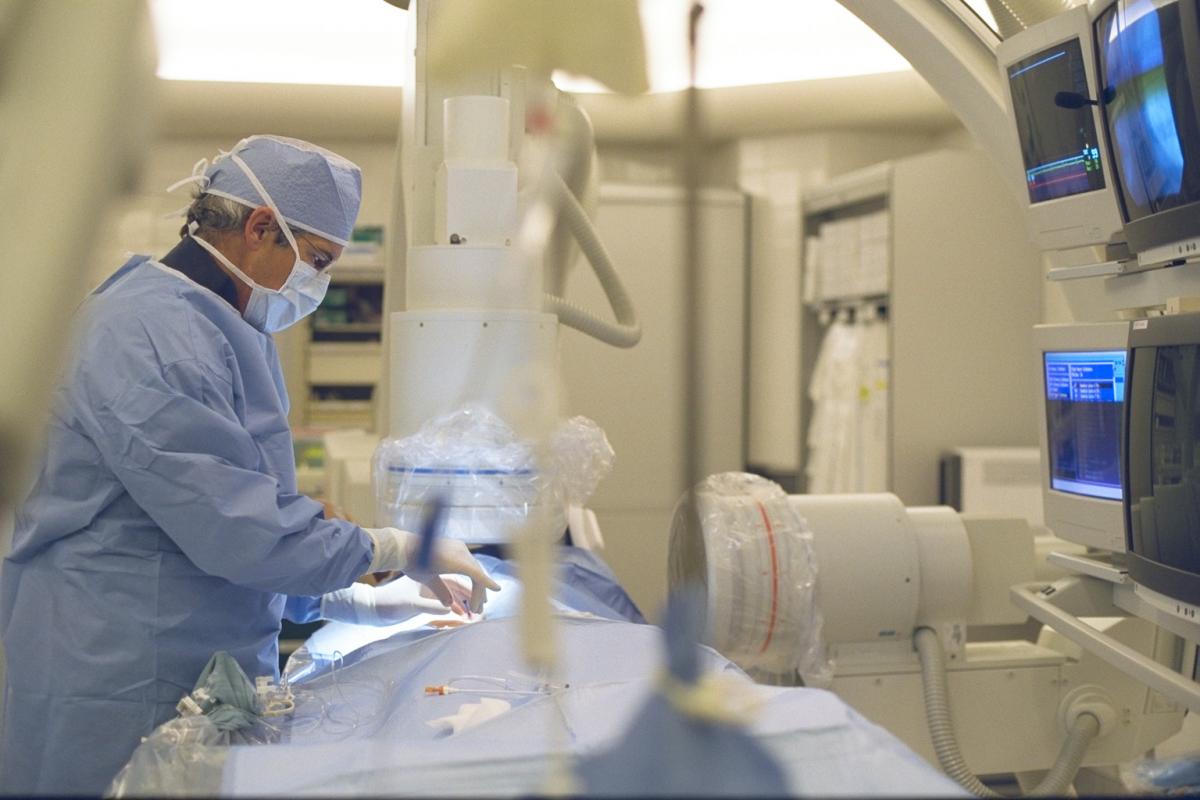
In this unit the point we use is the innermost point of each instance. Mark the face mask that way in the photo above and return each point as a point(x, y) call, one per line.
point(272, 310)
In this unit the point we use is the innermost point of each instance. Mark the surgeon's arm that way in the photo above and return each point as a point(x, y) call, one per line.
point(302, 610)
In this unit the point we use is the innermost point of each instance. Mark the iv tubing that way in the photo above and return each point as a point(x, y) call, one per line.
point(941, 729)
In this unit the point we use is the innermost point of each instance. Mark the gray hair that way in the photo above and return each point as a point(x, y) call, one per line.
point(219, 215)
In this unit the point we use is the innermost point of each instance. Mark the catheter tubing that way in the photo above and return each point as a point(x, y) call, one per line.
point(1084, 729)
point(627, 331)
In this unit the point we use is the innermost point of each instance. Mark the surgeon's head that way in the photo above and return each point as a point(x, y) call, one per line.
point(253, 239)
point(276, 213)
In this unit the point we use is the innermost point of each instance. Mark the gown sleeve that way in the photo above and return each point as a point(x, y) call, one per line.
point(301, 609)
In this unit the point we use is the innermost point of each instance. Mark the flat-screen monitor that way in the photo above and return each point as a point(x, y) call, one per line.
point(1059, 145)
point(1162, 456)
point(1082, 377)
point(1148, 56)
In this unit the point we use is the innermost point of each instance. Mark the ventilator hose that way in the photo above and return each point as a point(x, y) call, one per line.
point(1085, 728)
point(627, 331)
point(937, 714)
point(945, 743)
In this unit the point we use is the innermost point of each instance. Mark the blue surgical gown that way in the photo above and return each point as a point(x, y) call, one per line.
point(164, 525)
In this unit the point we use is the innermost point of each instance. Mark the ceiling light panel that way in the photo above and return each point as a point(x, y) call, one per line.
point(747, 42)
point(361, 42)
point(348, 42)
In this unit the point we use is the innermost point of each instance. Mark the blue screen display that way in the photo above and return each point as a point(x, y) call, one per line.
point(1084, 395)
point(1145, 61)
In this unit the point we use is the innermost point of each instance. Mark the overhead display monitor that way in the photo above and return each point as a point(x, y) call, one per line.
point(1084, 395)
point(1148, 52)
point(1082, 378)
point(1058, 141)
point(1058, 145)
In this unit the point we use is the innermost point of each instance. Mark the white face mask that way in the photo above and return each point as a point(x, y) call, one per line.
point(272, 310)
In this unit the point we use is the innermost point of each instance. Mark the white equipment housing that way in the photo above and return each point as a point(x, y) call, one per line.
point(993, 480)
point(885, 571)
point(869, 555)
point(886, 576)
point(476, 303)
point(474, 332)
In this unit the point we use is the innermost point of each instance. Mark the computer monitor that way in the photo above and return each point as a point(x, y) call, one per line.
point(1048, 68)
point(1162, 456)
point(1081, 375)
point(1148, 56)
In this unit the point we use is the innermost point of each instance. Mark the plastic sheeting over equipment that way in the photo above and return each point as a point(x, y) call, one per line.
point(848, 434)
point(222, 710)
point(490, 480)
point(740, 541)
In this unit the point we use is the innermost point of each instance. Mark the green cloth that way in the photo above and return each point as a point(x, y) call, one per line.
point(236, 702)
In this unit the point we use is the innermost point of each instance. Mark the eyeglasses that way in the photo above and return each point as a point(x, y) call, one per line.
point(322, 259)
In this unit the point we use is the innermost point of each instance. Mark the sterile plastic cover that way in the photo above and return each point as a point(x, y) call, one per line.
point(185, 756)
point(489, 479)
point(742, 543)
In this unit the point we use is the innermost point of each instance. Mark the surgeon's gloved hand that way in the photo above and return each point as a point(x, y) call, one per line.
point(394, 602)
point(397, 550)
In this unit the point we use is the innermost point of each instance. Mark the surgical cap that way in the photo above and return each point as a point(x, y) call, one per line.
point(314, 189)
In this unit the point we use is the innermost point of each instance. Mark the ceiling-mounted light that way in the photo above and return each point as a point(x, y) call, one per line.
point(361, 42)
point(350, 42)
point(750, 42)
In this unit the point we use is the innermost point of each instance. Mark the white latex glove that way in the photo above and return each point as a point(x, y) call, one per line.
point(389, 604)
point(395, 550)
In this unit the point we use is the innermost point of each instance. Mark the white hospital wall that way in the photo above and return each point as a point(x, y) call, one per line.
point(1054, 304)
point(1055, 307)
point(637, 395)
point(1081, 300)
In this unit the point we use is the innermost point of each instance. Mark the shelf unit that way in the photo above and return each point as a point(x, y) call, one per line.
point(962, 296)
point(333, 362)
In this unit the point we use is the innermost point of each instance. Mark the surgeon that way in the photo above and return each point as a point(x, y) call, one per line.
point(165, 523)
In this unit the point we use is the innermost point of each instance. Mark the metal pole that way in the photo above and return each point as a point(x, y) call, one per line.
point(692, 140)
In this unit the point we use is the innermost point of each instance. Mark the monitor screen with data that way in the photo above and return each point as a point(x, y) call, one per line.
point(1059, 146)
point(1084, 394)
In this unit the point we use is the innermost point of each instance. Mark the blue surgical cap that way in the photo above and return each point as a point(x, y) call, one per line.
point(314, 189)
